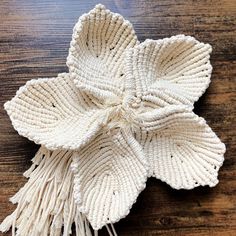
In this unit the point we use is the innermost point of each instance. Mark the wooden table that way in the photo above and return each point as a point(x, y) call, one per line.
point(34, 42)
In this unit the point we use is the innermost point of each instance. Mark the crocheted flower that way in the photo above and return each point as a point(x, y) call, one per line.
point(125, 110)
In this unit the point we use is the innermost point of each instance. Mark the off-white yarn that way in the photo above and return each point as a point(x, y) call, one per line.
point(109, 175)
point(173, 70)
point(96, 53)
point(54, 113)
point(125, 112)
point(181, 147)
point(46, 203)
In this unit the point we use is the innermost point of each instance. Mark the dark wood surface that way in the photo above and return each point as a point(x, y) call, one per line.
point(34, 41)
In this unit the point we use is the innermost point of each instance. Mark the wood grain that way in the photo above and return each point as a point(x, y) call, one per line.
point(34, 42)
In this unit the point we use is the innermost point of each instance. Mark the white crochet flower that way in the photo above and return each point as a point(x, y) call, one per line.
point(128, 117)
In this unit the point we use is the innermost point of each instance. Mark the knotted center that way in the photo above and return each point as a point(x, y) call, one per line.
point(121, 114)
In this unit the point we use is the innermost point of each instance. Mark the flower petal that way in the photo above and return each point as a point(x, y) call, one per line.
point(97, 49)
point(54, 113)
point(174, 70)
point(182, 149)
point(110, 173)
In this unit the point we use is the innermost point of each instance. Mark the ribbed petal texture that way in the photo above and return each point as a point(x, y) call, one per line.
point(181, 148)
point(173, 70)
point(110, 173)
point(53, 112)
point(96, 55)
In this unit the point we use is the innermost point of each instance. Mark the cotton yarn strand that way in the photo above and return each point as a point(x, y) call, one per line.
point(46, 203)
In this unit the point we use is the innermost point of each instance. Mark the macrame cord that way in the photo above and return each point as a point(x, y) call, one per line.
point(123, 113)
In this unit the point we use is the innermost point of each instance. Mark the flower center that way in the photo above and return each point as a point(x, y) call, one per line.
point(121, 114)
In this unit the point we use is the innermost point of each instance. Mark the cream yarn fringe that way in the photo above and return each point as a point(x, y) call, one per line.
point(46, 203)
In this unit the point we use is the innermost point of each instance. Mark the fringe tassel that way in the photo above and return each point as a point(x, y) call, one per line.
point(45, 204)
